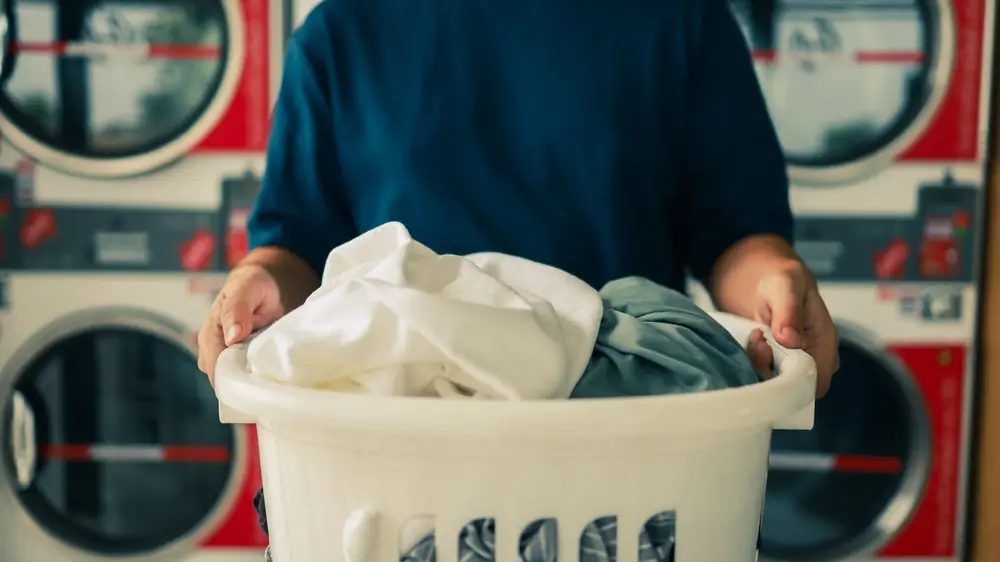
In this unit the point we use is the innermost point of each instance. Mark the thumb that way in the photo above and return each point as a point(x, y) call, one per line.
point(784, 300)
point(237, 316)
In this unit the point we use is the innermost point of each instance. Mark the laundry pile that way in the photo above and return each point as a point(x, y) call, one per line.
point(394, 318)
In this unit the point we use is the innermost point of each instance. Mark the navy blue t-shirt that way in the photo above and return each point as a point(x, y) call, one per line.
point(606, 138)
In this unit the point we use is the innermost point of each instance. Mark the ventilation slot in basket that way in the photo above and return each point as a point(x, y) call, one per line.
point(599, 540)
point(652, 542)
point(424, 538)
point(540, 541)
point(658, 537)
point(477, 541)
point(417, 540)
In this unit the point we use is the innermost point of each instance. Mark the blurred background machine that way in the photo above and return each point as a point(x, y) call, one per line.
point(134, 134)
point(855, 86)
point(111, 436)
point(122, 106)
point(881, 107)
point(883, 473)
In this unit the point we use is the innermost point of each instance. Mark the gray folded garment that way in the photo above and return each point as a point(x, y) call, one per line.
point(654, 340)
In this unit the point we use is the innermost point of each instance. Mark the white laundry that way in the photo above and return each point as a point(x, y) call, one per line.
point(392, 317)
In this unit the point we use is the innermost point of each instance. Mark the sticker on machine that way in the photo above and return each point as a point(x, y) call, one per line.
point(941, 304)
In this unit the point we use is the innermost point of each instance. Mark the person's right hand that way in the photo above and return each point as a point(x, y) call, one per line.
point(248, 301)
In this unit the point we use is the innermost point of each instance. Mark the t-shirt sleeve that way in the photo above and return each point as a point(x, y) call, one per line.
point(734, 182)
point(302, 206)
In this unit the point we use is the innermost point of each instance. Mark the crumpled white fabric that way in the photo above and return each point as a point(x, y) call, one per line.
point(392, 317)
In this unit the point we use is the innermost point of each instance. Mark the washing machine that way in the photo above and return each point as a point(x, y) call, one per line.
point(137, 106)
point(122, 117)
point(858, 85)
point(125, 117)
point(107, 89)
point(883, 473)
point(110, 442)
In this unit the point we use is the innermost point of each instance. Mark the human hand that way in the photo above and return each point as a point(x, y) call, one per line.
point(248, 301)
point(788, 301)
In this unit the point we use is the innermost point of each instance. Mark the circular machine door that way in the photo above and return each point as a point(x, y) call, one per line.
point(117, 88)
point(849, 485)
point(112, 441)
point(850, 84)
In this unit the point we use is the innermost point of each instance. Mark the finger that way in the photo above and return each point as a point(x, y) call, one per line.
point(236, 318)
point(202, 340)
point(784, 297)
point(213, 345)
point(830, 365)
point(825, 344)
point(761, 356)
point(210, 344)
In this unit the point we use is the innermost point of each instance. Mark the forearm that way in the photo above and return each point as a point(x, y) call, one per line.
point(736, 274)
point(295, 278)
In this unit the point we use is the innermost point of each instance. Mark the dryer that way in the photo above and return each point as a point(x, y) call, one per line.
point(123, 122)
point(109, 436)
point(136, 104)
point(883, 473)
point(855, 86)
point(119, 293)
point(121, 88)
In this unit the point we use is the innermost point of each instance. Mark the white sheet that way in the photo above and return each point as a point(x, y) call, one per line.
point(392, 317)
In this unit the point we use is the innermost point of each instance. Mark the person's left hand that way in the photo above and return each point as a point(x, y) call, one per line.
point(788, 301)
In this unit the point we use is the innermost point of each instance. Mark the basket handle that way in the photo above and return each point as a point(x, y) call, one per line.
point(793, 367)
point(230, 367)
point(794, 360)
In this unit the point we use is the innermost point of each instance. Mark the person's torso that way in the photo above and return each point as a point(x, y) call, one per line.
point(541, 128)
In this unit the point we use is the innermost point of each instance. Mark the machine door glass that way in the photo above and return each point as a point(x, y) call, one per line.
point(850, 483)
point(114, 443)
point(849, 83)
point(119, 87)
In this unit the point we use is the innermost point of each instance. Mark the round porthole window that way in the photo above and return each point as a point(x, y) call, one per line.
point(850, 85)
point(117, 88)
point(113, 443)
point(849, 485)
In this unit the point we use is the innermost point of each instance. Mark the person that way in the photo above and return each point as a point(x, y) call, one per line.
point(604, 138)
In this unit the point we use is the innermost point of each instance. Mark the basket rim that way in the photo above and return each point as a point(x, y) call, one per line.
point(767, 403)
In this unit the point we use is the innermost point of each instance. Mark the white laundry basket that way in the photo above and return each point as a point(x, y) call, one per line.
point(329, 457)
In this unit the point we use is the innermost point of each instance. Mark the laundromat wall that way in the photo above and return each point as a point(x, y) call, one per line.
point(134, 144)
